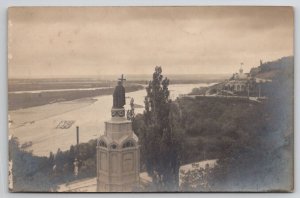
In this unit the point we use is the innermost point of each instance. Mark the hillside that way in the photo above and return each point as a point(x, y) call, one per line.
point(273, 69)
point(253, 141)
point(268, 71)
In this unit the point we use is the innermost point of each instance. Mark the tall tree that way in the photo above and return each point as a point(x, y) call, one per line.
point(160, 136)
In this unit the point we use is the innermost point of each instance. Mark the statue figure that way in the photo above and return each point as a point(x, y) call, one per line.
point(119, 94)
point(130, 113)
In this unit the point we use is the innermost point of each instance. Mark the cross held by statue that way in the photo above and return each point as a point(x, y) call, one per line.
point(122, 79)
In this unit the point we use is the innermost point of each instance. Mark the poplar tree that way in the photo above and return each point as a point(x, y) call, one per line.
point(160, 136)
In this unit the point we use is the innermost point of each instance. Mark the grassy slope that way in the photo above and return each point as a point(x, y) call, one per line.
point(254, 141)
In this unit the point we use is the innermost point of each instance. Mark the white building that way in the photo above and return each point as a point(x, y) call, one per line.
point(238, 82)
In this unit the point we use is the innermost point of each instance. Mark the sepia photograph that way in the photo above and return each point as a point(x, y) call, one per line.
point(151, 99)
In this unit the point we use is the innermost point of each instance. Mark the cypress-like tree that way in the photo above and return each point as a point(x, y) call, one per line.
point(160, 141)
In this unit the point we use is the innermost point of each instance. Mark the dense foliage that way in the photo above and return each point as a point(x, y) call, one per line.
point(30, 173)
point(284, 63)
point(160, 135)
point(252, 141)
point(34, 173)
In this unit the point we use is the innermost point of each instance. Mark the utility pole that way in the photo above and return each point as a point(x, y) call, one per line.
point(77, 135)
point(248, 89)
point(76, 163)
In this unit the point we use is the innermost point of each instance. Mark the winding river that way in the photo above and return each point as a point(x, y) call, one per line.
point(53, 126)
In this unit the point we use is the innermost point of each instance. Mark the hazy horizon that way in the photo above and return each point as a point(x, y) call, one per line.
point(81, 41)
point(128, 77)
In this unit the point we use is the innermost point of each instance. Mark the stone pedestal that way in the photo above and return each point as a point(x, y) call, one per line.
point(118, 155)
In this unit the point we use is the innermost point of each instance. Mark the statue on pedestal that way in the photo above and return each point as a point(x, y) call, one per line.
point(118, 149)
point(119, 96)
point(119, 99)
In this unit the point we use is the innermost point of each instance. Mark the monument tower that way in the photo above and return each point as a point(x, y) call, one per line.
point(118, 154)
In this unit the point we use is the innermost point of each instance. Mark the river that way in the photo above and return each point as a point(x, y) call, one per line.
point(53, 126)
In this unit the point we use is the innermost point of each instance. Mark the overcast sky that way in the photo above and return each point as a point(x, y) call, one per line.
point(51, 42)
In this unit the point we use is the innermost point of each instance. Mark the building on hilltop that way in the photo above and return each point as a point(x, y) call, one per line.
point(246, 83)
point(238, 82)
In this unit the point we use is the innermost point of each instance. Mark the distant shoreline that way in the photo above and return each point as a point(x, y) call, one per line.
point(130, 77)
point(25, 93)
point(27, 100)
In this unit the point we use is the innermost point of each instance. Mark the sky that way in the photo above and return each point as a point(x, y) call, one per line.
point(95, 41)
